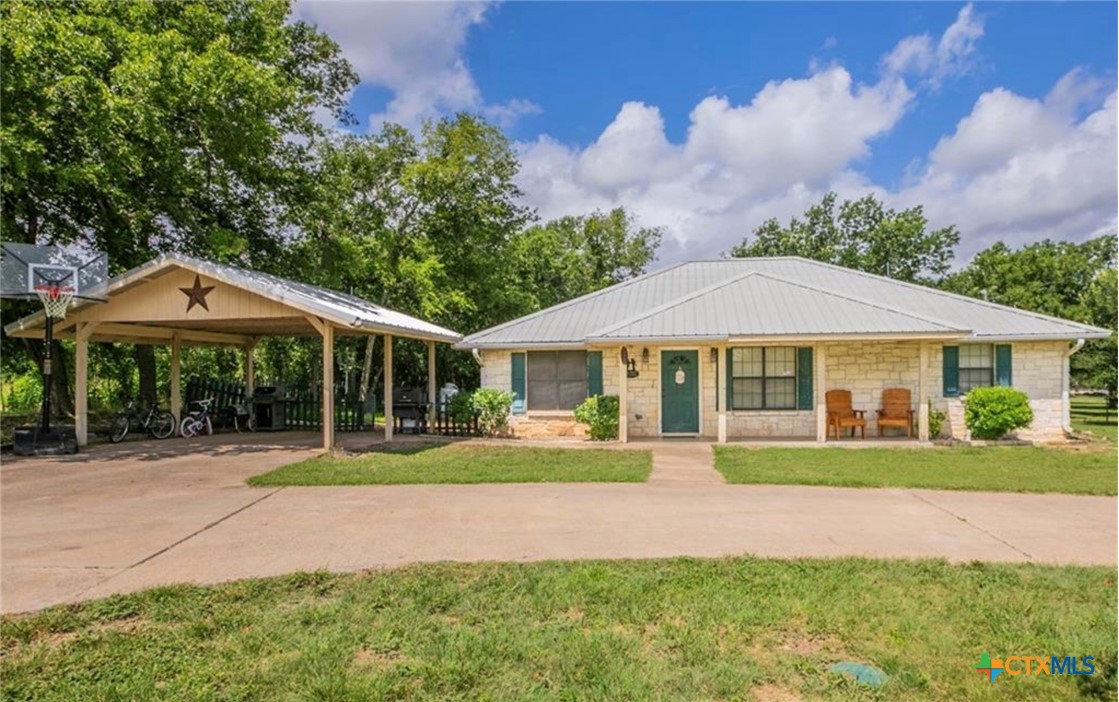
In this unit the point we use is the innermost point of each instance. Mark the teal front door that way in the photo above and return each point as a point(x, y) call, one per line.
point(680, 392)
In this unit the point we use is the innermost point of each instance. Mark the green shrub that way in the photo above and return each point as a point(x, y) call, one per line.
point(600, 413)
point(461, 407)
point(992, 412)
point(492, 406)
point(936, 422)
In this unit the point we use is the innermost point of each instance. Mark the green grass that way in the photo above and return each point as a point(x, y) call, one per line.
point(1001, 468)
point(408, 463)
point(1089, 413)
point(668, 630)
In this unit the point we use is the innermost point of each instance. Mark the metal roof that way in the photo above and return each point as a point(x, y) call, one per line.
point(344, 310)
point(770, 297)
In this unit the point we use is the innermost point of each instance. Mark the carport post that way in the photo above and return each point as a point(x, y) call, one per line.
point(388, 387)
point(81, 382)
point(327, 386)
point(431, 399)
point(821, 388)
point(176, 364)
point(250, 374)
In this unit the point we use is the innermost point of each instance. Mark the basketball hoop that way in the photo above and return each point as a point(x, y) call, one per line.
point(56, 299)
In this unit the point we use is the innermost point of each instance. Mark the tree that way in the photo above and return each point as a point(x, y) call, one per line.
point(573, 256)
point(1057, 278)
point(139, 127)
point(420, 223)
point(863, 235)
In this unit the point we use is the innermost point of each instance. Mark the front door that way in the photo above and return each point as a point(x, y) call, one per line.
point(680, 392)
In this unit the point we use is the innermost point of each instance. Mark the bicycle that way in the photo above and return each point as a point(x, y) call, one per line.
point(160, 424)
point(198, 420)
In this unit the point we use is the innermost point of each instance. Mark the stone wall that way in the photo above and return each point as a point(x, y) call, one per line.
point(865, 368)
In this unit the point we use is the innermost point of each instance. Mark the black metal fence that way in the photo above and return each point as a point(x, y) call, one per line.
point(445, 425)
point(300, 412)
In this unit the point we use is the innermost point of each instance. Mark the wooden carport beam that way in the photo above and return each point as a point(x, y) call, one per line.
point(81, 381)
point(143, 334)
point(328, 387)
point(388, 387)
point(176, 383)
point(431, 391)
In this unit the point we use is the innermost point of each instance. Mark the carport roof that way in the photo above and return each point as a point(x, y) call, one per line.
point(309, 307)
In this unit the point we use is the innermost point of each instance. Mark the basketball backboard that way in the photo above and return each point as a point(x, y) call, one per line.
point(26, 267)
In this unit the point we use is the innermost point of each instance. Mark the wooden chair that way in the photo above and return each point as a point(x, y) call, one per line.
point(841, 415)
point(897, 411)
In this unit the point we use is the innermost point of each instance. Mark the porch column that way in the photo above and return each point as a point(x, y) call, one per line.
point(431, 390)
point(176, 386)
point(81, 383)
point(327, 386)
point(623, 400)
point(388, 387)
point(821, 390)
point(721, 393)
point(923, 392)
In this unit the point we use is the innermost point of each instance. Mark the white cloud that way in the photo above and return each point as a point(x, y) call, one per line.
point(738, 165)
point(951, 56)
point(1019, 169)
point(415, 50)
point(1014, 169)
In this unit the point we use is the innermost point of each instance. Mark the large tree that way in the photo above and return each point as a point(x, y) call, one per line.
point(573, 256)
point(421, 223)
point(863, 234)
point(1059, 278)
point(138, 127)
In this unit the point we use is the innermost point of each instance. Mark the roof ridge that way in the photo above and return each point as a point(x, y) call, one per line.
point(688, 297)
point(567, 303)
point(946, 293)
point(863, 301)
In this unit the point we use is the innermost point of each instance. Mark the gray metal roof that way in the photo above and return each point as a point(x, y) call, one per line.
point(344, 310)
point(759, 297)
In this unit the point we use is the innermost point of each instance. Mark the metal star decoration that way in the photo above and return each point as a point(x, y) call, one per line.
point(197, 294)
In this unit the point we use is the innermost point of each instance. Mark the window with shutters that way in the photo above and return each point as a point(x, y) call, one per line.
point(977, 366)
point(764, 377)
point(557, 380)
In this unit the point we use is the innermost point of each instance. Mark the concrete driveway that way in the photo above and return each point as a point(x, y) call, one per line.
point(123, 518)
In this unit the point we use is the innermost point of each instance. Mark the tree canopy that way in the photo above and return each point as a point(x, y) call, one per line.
point(862, 235)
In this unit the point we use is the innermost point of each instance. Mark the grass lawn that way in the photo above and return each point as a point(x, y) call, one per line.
point(626, 630)
point(999, 468)
point(408, 463)
point(1089, 413)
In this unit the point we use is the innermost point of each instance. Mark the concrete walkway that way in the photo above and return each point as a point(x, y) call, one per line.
point(118, 519)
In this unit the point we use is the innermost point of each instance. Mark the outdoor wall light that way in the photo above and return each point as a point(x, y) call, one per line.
point(714, 355)
point(629, 363)
point(645, 355)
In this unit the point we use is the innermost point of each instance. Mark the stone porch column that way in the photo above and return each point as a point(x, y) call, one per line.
point(821, 388)
point(721, 392)
point(923, 392)
point(623, 401)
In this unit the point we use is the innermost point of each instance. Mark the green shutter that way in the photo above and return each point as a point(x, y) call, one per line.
point(518, 383)
point(1003, 366)
point(804, 378)
point(730, 379)
point(951, 371)
point(594, 373)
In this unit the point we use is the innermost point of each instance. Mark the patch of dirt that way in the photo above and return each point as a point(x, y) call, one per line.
point(774, 693)
point(804, 645)
point(377, 660)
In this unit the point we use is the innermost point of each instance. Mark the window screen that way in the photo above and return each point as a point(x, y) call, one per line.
point(557, 380)
point(977, 366)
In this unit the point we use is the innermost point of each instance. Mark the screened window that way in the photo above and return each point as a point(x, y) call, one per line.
point(557, 380)
point(764, 378)
point(977, 366)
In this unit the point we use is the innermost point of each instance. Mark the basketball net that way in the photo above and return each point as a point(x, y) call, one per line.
point(56, 299)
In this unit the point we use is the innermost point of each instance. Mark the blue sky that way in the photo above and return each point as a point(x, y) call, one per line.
point(707, 118)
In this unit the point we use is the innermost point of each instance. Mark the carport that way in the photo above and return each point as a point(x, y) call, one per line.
point(178, 300)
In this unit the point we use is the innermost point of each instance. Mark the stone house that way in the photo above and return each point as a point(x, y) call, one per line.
point(746, 348)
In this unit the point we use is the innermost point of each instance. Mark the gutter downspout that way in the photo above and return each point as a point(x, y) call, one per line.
point(1066, 413)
